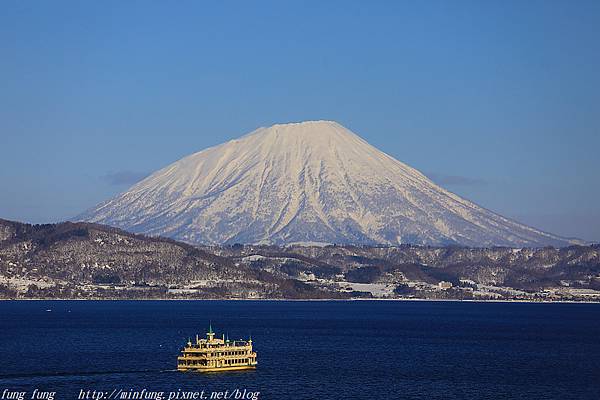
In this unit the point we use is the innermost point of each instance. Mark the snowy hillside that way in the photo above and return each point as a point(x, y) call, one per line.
point(308, 182)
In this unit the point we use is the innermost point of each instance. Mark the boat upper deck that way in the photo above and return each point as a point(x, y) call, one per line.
point(211, 343)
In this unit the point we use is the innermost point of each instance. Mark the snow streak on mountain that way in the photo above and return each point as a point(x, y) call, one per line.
point(308, 182)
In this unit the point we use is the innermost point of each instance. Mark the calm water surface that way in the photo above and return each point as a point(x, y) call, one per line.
point(309, 350)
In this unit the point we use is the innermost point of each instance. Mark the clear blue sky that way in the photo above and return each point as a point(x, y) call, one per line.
point(498, 101)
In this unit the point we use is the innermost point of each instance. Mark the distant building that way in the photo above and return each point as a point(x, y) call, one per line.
point(444, 285)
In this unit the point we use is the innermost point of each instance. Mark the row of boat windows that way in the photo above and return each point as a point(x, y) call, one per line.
point(225, 353)
point(239, 361)
point(231, 353)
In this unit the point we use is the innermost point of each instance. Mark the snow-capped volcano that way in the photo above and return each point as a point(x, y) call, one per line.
point(305, 182)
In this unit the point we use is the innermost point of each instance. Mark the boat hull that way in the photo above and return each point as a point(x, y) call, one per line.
point(217, 369)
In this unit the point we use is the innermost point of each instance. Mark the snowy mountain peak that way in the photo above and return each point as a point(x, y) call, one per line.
point(312, 133)
point(308, 182)
point(306, 125)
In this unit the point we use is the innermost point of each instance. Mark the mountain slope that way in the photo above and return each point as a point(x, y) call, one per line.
point(305, 182)
point(82, 260)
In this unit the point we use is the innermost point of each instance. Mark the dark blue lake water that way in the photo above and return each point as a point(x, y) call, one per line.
point(309, 350)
